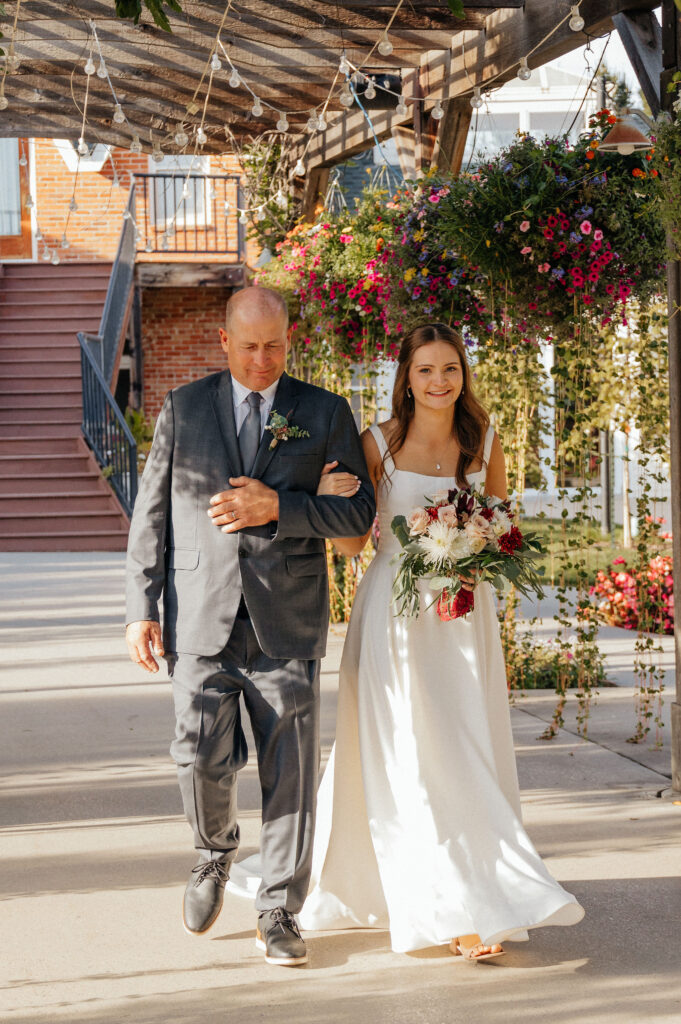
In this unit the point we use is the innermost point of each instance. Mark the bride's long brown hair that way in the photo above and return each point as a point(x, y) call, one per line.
point(470, 419)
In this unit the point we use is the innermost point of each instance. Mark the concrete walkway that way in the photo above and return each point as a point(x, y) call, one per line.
point(94, 854)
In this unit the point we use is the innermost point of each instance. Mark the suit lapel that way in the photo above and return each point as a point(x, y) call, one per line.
point(285, 401)
point(223, 408)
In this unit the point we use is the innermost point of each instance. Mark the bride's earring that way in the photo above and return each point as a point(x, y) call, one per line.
point(410, 393)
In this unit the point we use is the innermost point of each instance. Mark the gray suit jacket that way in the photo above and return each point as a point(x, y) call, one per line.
point(175, 549)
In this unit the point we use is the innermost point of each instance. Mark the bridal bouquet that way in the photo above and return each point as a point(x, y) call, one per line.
point(456, 537)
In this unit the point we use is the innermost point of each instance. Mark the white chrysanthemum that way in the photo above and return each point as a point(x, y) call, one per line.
point(461, 547)
point(501, 523)
point(438, 543)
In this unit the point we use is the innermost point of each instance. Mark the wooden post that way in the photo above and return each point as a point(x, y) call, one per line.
point(452, 135)
point(316, 184)
point(671, 43)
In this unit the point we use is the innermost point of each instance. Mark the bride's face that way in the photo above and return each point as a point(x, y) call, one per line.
point(436, 375)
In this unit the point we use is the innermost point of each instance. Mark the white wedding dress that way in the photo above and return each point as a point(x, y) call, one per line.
point(418, 814)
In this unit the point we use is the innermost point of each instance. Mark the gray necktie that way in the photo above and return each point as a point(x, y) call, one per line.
point(249, 435)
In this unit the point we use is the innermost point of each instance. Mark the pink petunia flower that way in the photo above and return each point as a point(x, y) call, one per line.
point(598, 235)
point(585, 227)
point(525, 225)
point(526, 250)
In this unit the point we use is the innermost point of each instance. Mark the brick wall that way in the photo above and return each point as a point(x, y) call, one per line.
point(94, 228)
point(180, 338)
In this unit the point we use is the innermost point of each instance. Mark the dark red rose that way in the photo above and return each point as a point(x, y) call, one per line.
point(487, 513)
point(511, 541)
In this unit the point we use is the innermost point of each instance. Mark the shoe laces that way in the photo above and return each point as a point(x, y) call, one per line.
point(285, 920)
point(215, 869)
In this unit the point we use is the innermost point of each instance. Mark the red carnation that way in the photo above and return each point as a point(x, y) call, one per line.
point(487, 514)
point(462, 604)
point(511, 541)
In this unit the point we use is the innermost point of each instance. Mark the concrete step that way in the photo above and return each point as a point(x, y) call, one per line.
point(86, 482)
point(89, 290)
point(55, 522)
point(11, 400)
point(65, 271)
point(19, 416)
point(74, 462)
point(24, 327)
point(42, 444)
point(62, 381)
point(49, 429)
point(82, 540)
point(58, 503)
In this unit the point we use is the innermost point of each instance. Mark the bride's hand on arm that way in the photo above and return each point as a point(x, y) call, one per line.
point(351, 545)
point(343, 485)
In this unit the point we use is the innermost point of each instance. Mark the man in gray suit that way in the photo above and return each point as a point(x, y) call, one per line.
point(229, 529)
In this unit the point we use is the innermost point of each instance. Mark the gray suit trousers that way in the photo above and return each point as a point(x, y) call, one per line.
point(282, 700)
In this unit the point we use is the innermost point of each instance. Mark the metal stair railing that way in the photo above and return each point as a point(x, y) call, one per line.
point(105, 429)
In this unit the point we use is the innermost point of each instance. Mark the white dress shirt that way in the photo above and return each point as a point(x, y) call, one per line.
point(240, 394)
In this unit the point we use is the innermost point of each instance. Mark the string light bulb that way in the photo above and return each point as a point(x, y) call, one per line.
point(401, 107)
point(370, 91)
point(282, 123)
point(55, 261)
point(89, 68)
point(344, 67)
point(576, 22)
point(157, 153)
point(524, 72)
point(83, 148)
point(29, 204)
point(4, 102)
point(281, 200)
point(385, 47)
point(299, 169)
point(256, 109)
point(215, 62)
point(201, 137)
point(118, 115)
point(148, 247)
point(234, 80)
point(243, 219)
point(260, 215)
point(135, 145)
point(73, 205)
point(321, 123)
point(437, 113)
point(476, 99)
point(164, 243)
point(311, 125)
point(12, 63)
point(38, 235)
point(65, 244)
point(22, 160)
point(346, 98)
point(101, 70)
point(181, 137)
point(47, 254)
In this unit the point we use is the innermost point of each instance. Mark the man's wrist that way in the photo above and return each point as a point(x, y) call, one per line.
point(275, 506)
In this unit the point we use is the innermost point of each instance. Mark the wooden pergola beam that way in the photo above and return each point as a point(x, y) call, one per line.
point(490, 58)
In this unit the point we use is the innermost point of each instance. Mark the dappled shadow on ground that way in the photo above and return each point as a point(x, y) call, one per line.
point(619, 965)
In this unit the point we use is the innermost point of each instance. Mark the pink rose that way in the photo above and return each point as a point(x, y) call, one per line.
point(525, 225)
point(447, 515)
point(417, 521)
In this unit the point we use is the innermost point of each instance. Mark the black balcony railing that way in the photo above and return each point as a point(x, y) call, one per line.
point(196, 213)
point(105, 429)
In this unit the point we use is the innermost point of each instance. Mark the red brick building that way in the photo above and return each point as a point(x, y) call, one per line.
point(137, 255)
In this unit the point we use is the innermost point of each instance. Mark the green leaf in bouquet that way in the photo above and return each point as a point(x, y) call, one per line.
point(439, 582)
point(413, 547)
point(401, 530)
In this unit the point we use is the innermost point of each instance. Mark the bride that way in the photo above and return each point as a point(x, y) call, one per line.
point(418, 824)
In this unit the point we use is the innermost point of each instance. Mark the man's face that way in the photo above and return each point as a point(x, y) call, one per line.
point(256, 346)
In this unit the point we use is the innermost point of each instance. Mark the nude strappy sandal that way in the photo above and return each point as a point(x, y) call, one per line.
point(468, 952)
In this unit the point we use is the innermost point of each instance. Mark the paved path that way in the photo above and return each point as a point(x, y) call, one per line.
point(94, 854)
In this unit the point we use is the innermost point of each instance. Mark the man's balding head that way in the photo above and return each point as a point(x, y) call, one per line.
point(255, 336)
point(255, 303)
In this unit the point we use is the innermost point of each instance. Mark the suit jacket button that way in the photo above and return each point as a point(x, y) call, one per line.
point(242, 553)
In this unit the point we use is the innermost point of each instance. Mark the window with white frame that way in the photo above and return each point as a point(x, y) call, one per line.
point(182, 191)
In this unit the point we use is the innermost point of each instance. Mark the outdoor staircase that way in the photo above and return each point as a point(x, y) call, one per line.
point(52, 493)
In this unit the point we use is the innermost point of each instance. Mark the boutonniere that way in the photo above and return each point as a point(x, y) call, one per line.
point(282, 430)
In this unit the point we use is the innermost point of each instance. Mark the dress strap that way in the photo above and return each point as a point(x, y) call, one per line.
point(380, 440)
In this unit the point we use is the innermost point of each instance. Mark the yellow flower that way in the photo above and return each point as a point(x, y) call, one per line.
point(487, 242)
point(418, 235)
point(408, 274)
point(424, 272)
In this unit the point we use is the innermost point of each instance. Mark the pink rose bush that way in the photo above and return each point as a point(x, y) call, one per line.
point(637, 599)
